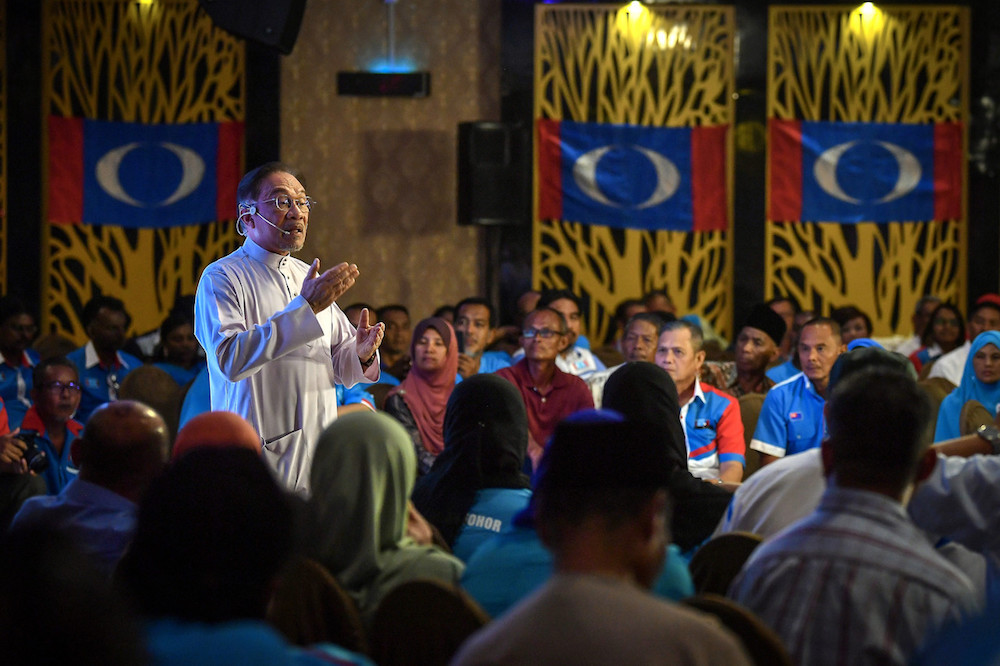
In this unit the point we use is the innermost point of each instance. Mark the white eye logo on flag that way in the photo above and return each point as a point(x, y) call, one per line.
point(825, 172)
point(108, 168)
point(668, 177)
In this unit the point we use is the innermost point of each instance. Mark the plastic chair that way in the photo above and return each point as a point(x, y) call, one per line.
point(716, 564)
point(762, 645)
point(423, 623)
point(309, 606)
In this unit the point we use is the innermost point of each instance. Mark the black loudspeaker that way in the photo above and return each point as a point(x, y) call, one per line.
point(273, 23)
point(494, 173)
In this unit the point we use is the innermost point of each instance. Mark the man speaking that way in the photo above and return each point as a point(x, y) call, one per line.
point(275, 340)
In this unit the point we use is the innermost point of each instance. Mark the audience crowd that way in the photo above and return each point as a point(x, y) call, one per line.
point(513, 493)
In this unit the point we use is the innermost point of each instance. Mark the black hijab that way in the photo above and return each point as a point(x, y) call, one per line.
point(485, 438)
point(645, 393)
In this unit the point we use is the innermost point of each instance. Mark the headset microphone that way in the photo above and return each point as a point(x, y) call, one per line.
point(253, 211)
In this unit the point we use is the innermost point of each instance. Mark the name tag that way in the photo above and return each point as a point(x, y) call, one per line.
point(794, 416)
point(702, 423)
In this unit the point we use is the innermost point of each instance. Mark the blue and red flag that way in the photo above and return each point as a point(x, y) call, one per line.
point(630, 176)
point(137, 175)
point(852, 172)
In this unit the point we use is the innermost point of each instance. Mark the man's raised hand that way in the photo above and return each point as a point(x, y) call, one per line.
point(321, 290)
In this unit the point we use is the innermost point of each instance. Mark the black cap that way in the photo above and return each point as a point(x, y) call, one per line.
point(765, 319)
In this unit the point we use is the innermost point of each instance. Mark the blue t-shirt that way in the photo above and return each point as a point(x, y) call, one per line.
point(354, 396)
point(198, 398)
point(181, 375)
point(15, 386)
point(791, 419)
point(513, 564)
point(491, 513)
point(780, 373)
point(100, 385)
point(61, 469)
point(714, 431)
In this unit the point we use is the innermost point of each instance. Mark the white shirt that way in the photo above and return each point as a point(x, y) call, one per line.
point(270, 358)
point(951, 366)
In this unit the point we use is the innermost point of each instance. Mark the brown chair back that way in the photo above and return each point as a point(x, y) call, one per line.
point(762, 645)
point(378, 393)
point(716, 564)
point(937, 389)
point(423, 623)
point(972, 416)
point(750, 405)
point(309, 606)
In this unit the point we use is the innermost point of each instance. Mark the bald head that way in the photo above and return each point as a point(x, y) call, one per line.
point(216, 429)
point(124, 445)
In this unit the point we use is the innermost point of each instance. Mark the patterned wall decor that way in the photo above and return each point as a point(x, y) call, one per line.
point(384, 168)
point(669, 66)
point(151, 62)
point(892, 65)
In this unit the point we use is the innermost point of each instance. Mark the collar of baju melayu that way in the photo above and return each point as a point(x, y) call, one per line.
point(256, 252)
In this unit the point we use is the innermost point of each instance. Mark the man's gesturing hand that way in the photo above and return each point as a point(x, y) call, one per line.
point(322, 290)
point(368, 338)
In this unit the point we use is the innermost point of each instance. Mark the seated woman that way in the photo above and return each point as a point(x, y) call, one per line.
point(476, 485)
point(177, 353)
point(980, 381)
point(945, 331)
point(853, 323)
point(362, 476)
point(644, 392)
point(420, 400)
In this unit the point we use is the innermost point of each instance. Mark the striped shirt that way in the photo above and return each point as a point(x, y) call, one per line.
point(854, 583)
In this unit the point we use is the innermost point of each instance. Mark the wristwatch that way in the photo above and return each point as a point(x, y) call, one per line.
point(992, 436)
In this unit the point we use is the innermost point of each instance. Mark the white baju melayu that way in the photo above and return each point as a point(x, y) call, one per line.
point(270, 358)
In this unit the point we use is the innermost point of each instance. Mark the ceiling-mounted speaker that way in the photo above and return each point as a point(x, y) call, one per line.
point(274, 23)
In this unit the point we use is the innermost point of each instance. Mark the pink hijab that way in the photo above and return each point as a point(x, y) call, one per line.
point(426, 393)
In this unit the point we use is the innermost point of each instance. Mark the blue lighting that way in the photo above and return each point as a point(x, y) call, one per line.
point(397, 67)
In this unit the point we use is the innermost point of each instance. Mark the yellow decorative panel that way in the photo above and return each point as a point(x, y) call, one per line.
point(657, 65)
point(158, 62)
point(868, 64)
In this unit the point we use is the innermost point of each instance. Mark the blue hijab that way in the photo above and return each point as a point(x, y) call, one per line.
point(971, 388)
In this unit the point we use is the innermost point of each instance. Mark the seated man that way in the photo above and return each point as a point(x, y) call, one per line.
point(474, 320)
point(612, 353)
point(44, 443)
point(856, 582)
point(791, 419)
point(395, 349)
point(123, 447)
point(756, 348)
point(101, 363)
point(713, 429)
point(602, 509)
point(638, 343)
point(17, 331)
point(549, 394)
point(574, 357)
